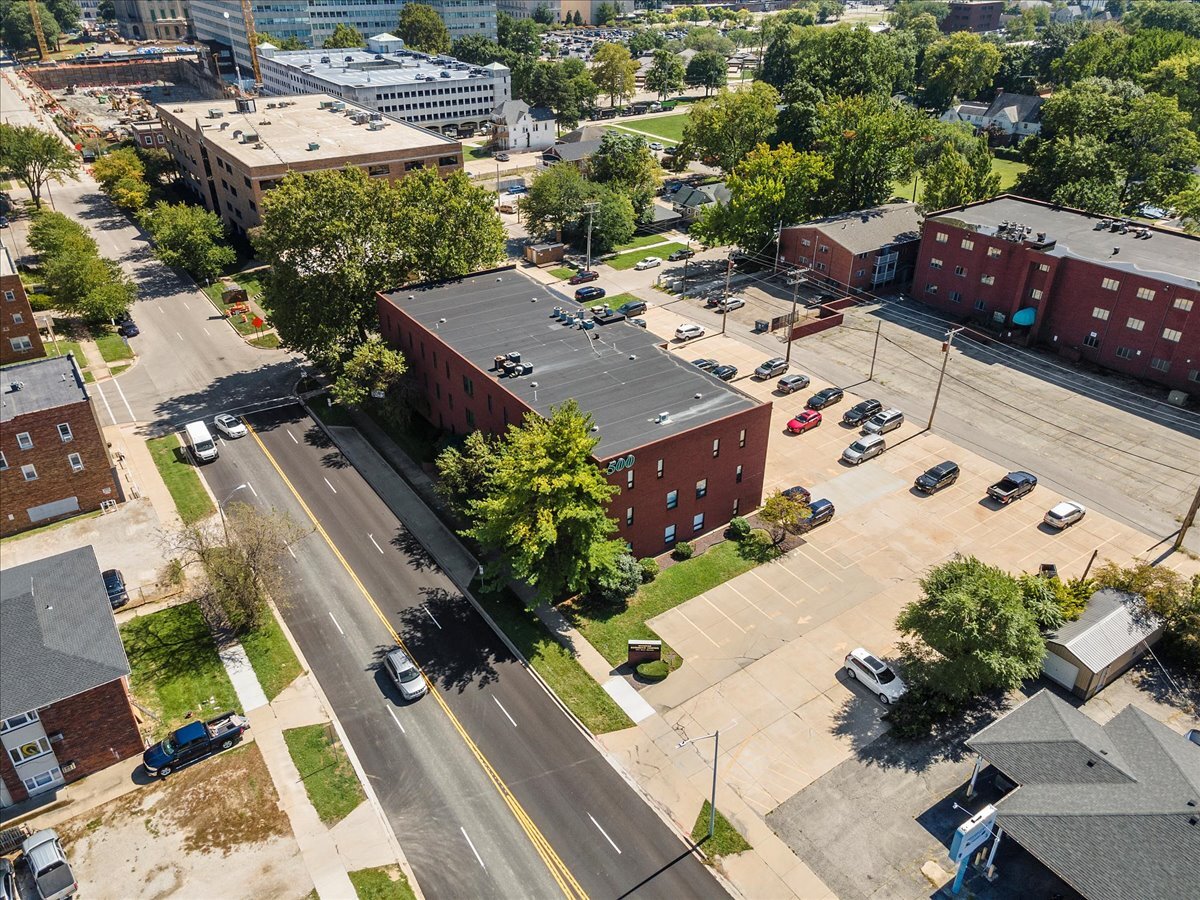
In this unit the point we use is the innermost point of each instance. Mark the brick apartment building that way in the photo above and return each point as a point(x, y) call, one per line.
point(687, 451)
point(64, 697)
point(1121, 295)
point(54, 461)
point(19, 338)
point(868, 250)
point(973, 15)
point(230, 153)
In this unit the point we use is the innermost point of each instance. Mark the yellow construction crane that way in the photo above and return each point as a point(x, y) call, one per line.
point(251, 40)
point(36, 18)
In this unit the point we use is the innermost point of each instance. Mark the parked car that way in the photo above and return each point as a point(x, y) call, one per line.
point(648, 262)
point(706, 364)
point(670, 151)
point(640, 323)
point(405, 674)
point(507, 208)
point(819, 512)
point(128, 329)
point(860, 412)
point(789, 384)
point(8, 880)
point(730, 304)
point(518, 189)
point(798, 493)
point(804, 420)
point(48, 864)
point(883, 422)
point(1012, 486)
point(725, 373)
point(875, 675)
point(230, 426)
point(590, 293)
point(863, 449)
point(114, 584)
point(937, 477)
point(655, 145)
point(194, 742)
point(583, 277)
point(502, 157)
point(688, 331)
point(776, 365)
point(1064, 514)
point(681, 254)
point(824, 398)
point(3, 221)
point(632, 307)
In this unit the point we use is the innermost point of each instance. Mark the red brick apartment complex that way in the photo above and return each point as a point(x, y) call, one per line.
point(687, 451)
point(19, 338)
point(868, 250)
point(64, 698)
point(53, 458)
point(1121, 295)
point(973, 15)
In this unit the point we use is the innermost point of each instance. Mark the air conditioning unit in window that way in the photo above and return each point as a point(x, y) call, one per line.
point(68, 768)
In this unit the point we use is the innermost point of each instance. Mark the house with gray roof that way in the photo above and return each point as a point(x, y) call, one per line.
point(520, 126)
point(1113, 809)
point(1008, 119)
point(65, 710)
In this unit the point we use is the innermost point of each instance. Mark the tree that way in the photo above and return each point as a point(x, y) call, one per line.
point(543, 15)
point(645, 40)
point(189, 237)
point(106, 11)
point(613, 71)
point(620, 581)
point(1169, 16)
point(970, 632)
point(478, 51)
point(16, 26)
point(578, 19)
point(796, 124)
point(520, 36)
point(613, 221)
point(463, 473)
point(54, 232)
point(449, 225)
point(956, 166)
point(724, 129)
point(704, 40)
point(122, 176)
point(1179, 77)
point(34, 158)
point(344, 37)
point(605, 13)
point(111, 295)
point(905, 12)
point(707, 69)
point(373, 370)
point(1187, 207)
point(782, 515)
point(286, 43)
point(544, 515)
point(1164, 594)
point(554, 200)
point(421, 28)
point(665, 75)
point(624, 162)
point(960, 65)
point(882, 63)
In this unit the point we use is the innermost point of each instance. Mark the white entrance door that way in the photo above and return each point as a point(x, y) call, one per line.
point(1060, 670)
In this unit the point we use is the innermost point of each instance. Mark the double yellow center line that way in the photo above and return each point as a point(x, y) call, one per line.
point(558, 869)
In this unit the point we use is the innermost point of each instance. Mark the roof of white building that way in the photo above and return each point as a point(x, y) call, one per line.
point(360, 68)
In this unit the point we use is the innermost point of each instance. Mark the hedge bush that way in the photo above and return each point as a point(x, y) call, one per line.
point(739, 528)
point(654, 671)
point(683, 550)
point(650, 568)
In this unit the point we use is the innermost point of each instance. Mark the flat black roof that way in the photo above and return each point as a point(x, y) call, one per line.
point(618, 373)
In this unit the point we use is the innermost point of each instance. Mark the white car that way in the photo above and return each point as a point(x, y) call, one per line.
point(1064, 514)
point(875, 675)
point(405, 674)
point(730, 304)
point(230, 426)
point(687, 331)
point(649, 262)
point(655, 145)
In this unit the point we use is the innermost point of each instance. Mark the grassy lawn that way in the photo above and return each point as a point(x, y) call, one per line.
point(117, 370)
point(272, 657)
point(616, 301)
point(325, 770)
point(725, 840)
point(175, 667)
point(608, 630)
point(331, 415)
point(1008, 170)
point(668, 127)
point(384, 883)
point(480, 152)
point(631, 259)
point(51, 526)
point(191, 499)
point(418, 438)
point(254, 290)
point(61, 347)
point(268, 341)
point(641, 240)
point(574, 686)
point(113, 347)
point(562, 272)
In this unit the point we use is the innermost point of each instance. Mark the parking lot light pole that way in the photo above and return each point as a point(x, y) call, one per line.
point(945, 357)
point(589, 208)
point(871, 376)
point(712, 804)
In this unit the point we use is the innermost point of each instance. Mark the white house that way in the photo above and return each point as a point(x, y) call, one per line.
point(520, 127)
point(1012, 117)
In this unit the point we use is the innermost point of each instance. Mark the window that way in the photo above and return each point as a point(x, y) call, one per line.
point(20, 344)
point(24, 441)
point(669, 534)
point(980, 305)
point(1194, 375)
point(672, 499)
point(1160, 365)
point(806, 242)
point(960, 271)
point(378, 171)
point(930, 287)
point(1036, 293)
point(987, 279)
point(701, 488)
point(30, 750)
point(1172, 334)
point(629, 515)
point(76, 462)
point(29, 473)
point(1125, 352)
point(934, 262)
point(628, 473)
point(716, 447)
point(64, 433)
point(824, 248)
point(1092, 340)
point(860, 273)
point(742, 438)
point(3, 461)
point(468, 386)
point(738, 477)
point(660, 468)
point(955, 296)
point(1110, 284)
point(18, 319)
point(994, 252)
point(40, 781)
point(470, 419)
point(1183, 303)
point(1145, 293)
point(1099, 312)
point(942, 237)
point(697, 523)
point(968, 244)
point(10, 295)
point(1135, 324)
point(18, 720)
point(1042, 267)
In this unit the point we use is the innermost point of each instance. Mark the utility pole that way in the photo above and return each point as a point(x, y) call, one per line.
point(879, 325)
point(945, 357)
point(778, 245)
point(725, 301)
point(589, 208)
point(792, 321)
point(498, 186)
point(1188, 520)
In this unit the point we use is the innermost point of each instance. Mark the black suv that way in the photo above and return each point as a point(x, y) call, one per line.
point(114, 584)
point(632, 307)
point(860, 412)
point(822, 399)
point(934, 479)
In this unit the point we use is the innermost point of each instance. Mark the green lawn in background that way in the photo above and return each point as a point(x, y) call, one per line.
point(268, 341)
point(641, 240)
point(1008, 170)
point(562, 272)
point(61, 347)
point(480, 152)
point(325, 770)
point(631, 259)
point(725, 840)
point(112, 346)
point(175, 669)
point(117, 370)
point(174, 464)
point(668, 127)
point(271, 656)
point(378, 884)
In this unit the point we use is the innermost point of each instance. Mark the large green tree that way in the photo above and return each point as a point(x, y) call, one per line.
point(189, 237)
point(521, 36)
point(421, 28)
point(1112, 53)
point(623, 162)
point(613, 71)
point(882, 63)
point(960, 65)
point(1168, 15)
point(707, 69)
point(479, 51)
point(344, 37)
point(665, 75)
point(722, 130)
point(1179, 77)
point(463, 471)
point(16, 25)
point(34, 158)
point(956, 166)
point(1163, 594)
point(122, 176)
point(291, 42)
point(373, 371)
point(554, 200)
point(544, 515)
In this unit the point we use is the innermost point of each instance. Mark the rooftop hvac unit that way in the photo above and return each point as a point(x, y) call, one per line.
point(215, 114)
point(662, 418)
point(339, 105)
point(376, 126)
point(498, 362)
point(271, 105)
point(376, 117)
point(258, 146)
point(326, 104)
point(514, 355)
point(245, 104)
point(313, 145)
point(359, 118)
point(250, 137)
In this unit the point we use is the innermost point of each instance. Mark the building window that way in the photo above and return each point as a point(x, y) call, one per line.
point(629, 515)
point(40, 781)
point(628, 473)
point(716, 447)
point(672, 499)
point(942, 237)
point(470, 419)
point(18, 319)
point(824, 248)
point(738, 476)
point(1183, 303)
point(697, 523)
point(10, 295)
point(987, 279)
point(1194, 375)
point(76, 462)
point(934, 262)
point(994, 252)
point(967, 244)
point(660, 468)
point(955, 296)
point(930, 287)
point(669, 534)
point(1135, 324)
point(1042, 267)
point(20, 344)
point(1092, 340)
point(737, 504)
point(468, 386)
point(981, 306)
point(64, 433)
point(1099, 312)
point(806, 242)
point(24, 441)
point(960, 271)
point(3, 461)
point(701, 488)
point(1145, 293)
point(1172, 334)
point(742, 438)
point(1160, 365)
point(1125, 352)
point(29, 473)
point(18, 720)
point(1110, 284)
point(29, 750)
point(378, 171)
point(1035, 293)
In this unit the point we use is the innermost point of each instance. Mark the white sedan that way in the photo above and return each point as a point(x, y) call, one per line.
point(1061, 515)
point(875, 675)
point(649, 262)
point(230, 426)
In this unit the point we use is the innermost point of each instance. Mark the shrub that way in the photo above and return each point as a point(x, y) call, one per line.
point(739, 528)
point(757, 546)
point(41, 302)
point(620, 582)
point(650, 570)
point(683, 550)
point(654, 671)
point(916, 714)
point(1073, 596)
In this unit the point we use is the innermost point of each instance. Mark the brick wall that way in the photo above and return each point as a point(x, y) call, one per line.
point(16, 321)
point(98, 729)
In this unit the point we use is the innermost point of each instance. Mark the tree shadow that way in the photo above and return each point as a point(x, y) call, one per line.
point(447, 616)
point(414, 551)
point(237, 392)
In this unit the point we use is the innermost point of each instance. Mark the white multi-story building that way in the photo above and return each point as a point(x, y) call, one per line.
point(434, 92)
point(562, 10)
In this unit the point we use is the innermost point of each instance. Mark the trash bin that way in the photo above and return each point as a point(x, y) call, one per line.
point(761, 326)
point(1048, 570)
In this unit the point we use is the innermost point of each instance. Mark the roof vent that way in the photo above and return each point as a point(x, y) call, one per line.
point(697, 396)
point(15, 386)
point(313, 145)
point(663, 418)
point(215, 114)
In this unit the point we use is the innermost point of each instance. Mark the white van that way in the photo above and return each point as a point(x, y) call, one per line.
point(200, 442)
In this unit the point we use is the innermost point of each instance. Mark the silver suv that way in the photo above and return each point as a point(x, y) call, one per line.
point(883, 422)
point(404, 672)
point(863, 449)
point(51, 872)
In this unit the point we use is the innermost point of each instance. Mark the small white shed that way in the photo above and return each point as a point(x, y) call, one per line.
point(1085, 655)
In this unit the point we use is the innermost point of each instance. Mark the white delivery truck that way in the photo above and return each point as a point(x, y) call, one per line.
point(200, 442)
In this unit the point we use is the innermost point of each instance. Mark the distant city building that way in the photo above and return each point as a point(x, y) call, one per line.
point(562, 10)
point(520, 127)
point(1008, 119)
point(434, 92)
point(148, 133)
point(153, 20)
point(230, 153)
point(19, 338)
point(1119, 294)
point(973, 15)
point(89, 13)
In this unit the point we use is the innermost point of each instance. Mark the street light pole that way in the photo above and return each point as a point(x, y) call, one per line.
point(712, 803)
point(221, 509)
point(945, 357)
point(1188, 520)
point(879, 325)
point(725, 301)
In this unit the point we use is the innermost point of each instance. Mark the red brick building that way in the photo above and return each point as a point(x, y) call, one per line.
point(973, 15)
point(64, 696)
point(687, 451)
point(19, 338)
point(54, 461)
point(868, 250)
point(1121, 295)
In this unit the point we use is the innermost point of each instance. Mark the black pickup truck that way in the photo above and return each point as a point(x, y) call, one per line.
point(1012, 486)
point(193, 742)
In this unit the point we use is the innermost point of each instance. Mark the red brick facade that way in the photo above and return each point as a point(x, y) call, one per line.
point(16, 318)
point(973, 15)
point(815, 248)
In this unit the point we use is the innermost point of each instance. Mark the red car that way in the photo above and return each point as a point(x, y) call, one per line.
point(583, 277)
point(810, 418)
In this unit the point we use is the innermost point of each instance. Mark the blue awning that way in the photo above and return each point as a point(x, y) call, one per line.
point(1024, 316)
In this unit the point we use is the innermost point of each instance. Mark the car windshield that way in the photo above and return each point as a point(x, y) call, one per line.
point(409, 674)
point(858, 446)
point(168, 746)
point(887, 676)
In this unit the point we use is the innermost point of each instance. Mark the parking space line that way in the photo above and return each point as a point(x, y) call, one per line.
point(779, 592)
point(505, 711)
point(747, 599)
point(339, 627)
point(817, 562)
point(292, 436)
point(252, 490)
point(683, 615)
point(722, 612)
point(603, 832)
point(397, 721)
point(428, 613)
point(331, 487)
point(377, 547)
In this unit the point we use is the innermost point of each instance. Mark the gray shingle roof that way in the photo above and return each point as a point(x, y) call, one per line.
point(1126, 826)
point(573, 152)
point(58, 637)
point(1016, 107)
point(1107, 630)
point(45, 384)
point(870, 229)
